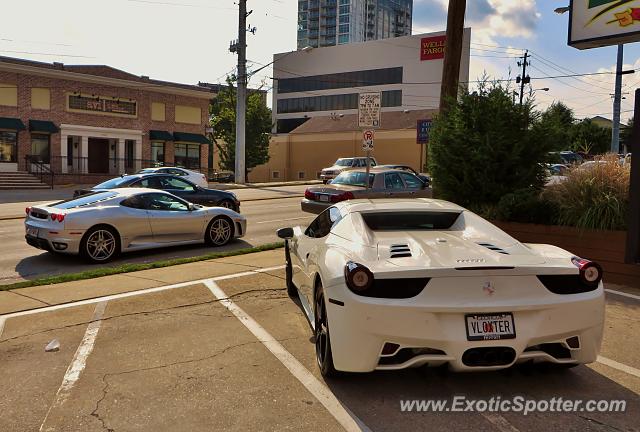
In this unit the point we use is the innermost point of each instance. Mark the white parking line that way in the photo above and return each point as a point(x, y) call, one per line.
point(2, 321)
point(619, 366)
point(284, 220)
point(79, 360)
point(500, 422)
point(134, 293)
point(623, 294)
point(346, 419)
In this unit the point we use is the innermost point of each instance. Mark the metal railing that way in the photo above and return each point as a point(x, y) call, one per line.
point(37, 167)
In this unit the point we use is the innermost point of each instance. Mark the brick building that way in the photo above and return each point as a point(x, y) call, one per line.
point(85, 122)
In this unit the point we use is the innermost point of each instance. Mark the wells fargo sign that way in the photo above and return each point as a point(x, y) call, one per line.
point(596, 23)
point(432, 48)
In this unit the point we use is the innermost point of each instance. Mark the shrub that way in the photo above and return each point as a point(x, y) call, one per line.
point(594, 197)
point(526, 206)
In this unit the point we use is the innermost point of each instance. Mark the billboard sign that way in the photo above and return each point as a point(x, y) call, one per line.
point(423, 128)
point(432, 48)
point(369, 110)
point(597, 23)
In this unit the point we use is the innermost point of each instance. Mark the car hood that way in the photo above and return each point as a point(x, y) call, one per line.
point(335, 168)
point(449, 249)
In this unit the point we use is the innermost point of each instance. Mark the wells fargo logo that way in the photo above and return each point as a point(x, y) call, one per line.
point(432, 48)
point(623, 18)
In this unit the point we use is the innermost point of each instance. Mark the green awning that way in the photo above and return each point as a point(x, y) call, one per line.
point(11, 124)
point(190, 137)
point(42, 126)
point(160, 135)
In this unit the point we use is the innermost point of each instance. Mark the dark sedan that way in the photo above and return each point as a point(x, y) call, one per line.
point(173, 184)
point(425, 178)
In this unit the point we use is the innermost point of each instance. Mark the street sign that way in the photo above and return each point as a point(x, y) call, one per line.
point(367, 140)
point(423, 130)
point(369, 110)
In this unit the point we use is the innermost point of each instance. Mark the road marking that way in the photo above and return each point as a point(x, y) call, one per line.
point(624, 294)
point(346, 419)
point(2, 321)
point(500, 422)
point(79, 360)
point(283, 220)
point(619, 366)
point(134, 293)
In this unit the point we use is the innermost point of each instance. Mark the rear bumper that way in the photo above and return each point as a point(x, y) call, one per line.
point(60, 241)
point(314, 206)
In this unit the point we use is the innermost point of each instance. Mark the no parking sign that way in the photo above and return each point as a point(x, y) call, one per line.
point(367, 140)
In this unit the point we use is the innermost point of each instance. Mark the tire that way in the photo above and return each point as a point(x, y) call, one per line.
point(100, 244)
point(291, 288)
point(227, 204)
point(219, 231)
point(325, 181)
point(324, 357)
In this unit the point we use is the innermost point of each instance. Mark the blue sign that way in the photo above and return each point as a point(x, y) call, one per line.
point(424, 127)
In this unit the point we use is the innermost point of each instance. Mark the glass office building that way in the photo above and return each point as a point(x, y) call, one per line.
point(333, 22)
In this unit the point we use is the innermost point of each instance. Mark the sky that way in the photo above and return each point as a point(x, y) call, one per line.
point(188, 40)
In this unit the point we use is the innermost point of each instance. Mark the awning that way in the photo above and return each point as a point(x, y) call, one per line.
point(190, 137)
point(42, 126)
point(11, 124)
point(160, 135)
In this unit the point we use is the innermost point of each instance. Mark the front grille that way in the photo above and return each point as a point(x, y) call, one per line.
point(399, 251)
point(494, 248)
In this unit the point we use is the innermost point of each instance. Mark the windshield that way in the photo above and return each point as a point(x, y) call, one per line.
point(84, 200)
point(353, 178)
point(113, 183)
point(410, 221)
point(344, 162)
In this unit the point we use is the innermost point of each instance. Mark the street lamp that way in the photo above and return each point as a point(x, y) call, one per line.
point(561, 10)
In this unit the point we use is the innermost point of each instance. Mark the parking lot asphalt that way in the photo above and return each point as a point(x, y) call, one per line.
point(220, 346)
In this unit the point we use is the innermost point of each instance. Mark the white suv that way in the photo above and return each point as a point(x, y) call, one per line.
point(344, 164)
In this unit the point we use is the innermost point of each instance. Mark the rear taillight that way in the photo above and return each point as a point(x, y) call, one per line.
point(309, 195)
point(57, 217)
point(588, 279)
point(27, 210)
point(590, 272)
point(358, 277)
point(341, 197)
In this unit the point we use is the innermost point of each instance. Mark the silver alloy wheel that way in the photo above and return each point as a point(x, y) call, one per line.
point(101, 245)
point(220, 231)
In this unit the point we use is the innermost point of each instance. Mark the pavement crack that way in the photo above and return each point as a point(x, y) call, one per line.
point(29, 297)
point(598, 422)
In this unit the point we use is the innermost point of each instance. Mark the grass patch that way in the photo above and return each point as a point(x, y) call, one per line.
point(127, 268)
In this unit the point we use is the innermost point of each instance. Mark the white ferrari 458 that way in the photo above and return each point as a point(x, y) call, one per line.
point(392, 284)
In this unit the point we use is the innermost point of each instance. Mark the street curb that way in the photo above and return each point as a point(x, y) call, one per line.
point(6, 218)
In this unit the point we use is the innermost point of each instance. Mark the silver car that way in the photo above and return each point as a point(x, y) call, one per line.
point(100, 225)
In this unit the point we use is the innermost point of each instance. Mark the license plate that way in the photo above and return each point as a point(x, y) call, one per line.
point(324, 198)
point(32, 232)
point(490, 326)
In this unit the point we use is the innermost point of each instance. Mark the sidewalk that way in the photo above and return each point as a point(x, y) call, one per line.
point(47, 295)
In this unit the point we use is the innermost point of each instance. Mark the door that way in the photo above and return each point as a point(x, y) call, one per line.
point(98, 157)
point(414, 186)
point(171, 220)
point(394, 186)
point(133, 223)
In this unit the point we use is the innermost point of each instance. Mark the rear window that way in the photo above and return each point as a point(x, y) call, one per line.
point(113, 183)
point(84, 200)
point(410, 221)
point(344, 162)
point(147, 171)
point(353, 178)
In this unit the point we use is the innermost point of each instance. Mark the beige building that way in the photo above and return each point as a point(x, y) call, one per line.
point(301, 154)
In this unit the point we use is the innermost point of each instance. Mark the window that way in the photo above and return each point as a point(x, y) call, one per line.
point(333, 102)
point(173, 171)
point(341, 79)
point(187, 155)
point(148, 182)
point(393, 181)
point(344, 28)
point(412, 181)
point(40, 147)
point(84, 200)
point(344, 9)
point(353, 178)
point(8, 146)
point(135, 202)
point(164, 202)
point(172, 183)
point(400, 221)
point(321, 226)
point(343, 19)
point(300, 175)
point(157, 153)
point(275, 174)
point(129, 151)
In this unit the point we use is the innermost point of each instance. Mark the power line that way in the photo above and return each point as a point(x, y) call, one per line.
point(45, 54)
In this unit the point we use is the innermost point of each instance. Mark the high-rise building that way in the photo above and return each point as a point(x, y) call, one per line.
point(333, 22)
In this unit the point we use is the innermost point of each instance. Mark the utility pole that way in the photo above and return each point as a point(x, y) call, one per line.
point(523, 79)
point(617, 99)
point(632, 253)
point(452, 52)
point(241, 96)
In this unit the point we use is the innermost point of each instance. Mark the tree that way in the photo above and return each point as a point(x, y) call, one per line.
point(588, 137)
point(485, 147)
point(625, 135)
point(257, 129)
point(556, 122)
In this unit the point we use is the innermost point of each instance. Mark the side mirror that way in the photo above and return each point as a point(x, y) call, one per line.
point(192, 207)
point(285, 233)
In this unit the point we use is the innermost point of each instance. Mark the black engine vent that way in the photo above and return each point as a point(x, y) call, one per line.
point(494, 248)
point(399, 251)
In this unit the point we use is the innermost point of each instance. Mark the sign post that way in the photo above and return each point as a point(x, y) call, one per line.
point(369, 117)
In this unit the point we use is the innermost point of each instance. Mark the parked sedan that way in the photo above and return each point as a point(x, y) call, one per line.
point(175, 185)
point(425, 178)
point(100, 225)
point(192, 176)
point(383, 183)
